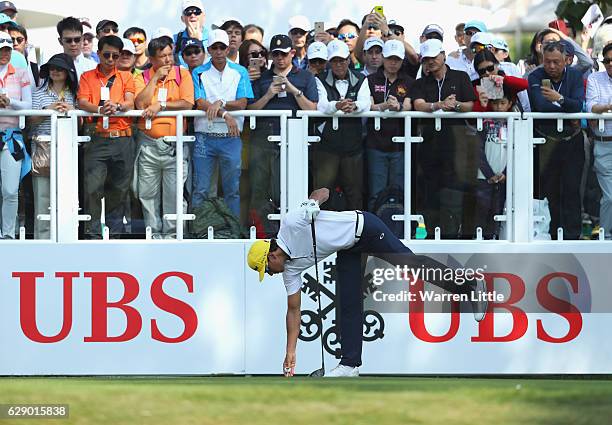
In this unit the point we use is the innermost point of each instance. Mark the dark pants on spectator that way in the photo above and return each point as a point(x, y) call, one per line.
point(377, 240)
point(108, 162)
point(490, 200)
point(560, 172)
point(331, 169)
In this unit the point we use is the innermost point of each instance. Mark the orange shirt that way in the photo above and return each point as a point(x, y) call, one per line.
point(89, 89)
point(166, 126)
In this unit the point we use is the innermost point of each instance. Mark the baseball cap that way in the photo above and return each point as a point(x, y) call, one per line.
point(281, 42)
point(433, 28)
point(371, 42)
point(257, 258)
point(479, 25)
point(192, 3)
point(393, 25)
point(6, 40)
point(162, 32)
point(4, 19)
point(105, 22)
point(394, 48)
point(225, 23)
point(218, 36)
point(431, 48)
point(337, 49)
point(192, 42)
point(484, 38)
point(317, 50)
point(7, 5)
point(299, 22)
point(128, 45)
point(87, 28)
point(500, 43)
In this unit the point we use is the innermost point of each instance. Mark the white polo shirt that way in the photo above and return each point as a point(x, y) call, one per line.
point(335, 231)
point(462, 63)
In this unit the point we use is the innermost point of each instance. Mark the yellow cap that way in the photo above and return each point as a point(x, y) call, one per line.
point(257, 258)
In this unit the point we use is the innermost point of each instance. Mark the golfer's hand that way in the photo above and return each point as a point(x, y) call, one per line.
point(289, 365)
point(311, 209)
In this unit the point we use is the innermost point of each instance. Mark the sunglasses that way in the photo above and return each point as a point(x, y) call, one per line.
point(6, 40)
point(108, 30)
point(137, 40)
point(347, 36)
point(217, 46)
point(108, 55)
point(258, 54)
point(397, 32)
point(470, 33)
point(192, 11)
point(56, 69)
point(318, 61)
point(192, 52)
point(88, 38)
point(72, 40)
point(18, 40)
point(373, 27)
point(297, 31)
point(278, 53)
point(607, 61)
point(483, 71)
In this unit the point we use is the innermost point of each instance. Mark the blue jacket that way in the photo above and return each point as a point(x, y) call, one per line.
point(12, 137)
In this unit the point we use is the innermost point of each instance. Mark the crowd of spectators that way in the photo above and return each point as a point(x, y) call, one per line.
point(128, 171)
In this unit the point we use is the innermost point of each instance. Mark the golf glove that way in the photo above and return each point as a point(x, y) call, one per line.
point(311, 209)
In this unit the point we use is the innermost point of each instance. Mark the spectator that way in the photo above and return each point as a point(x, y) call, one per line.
point(110, 151)
point(390, 91)
point(432, 31)
point(106, 27)
point(253, 50)
point(372, 57)
point(599, 100)
point(17, 59)
point(58, 92)
point(88, 43)
point(128, 58)
point(442, 191)
point(234, 30)
point(138, 37)
point(160, 88)
point(282, 87)
point(15, 163)
point(193, 53)
point(20, 44)
point(460, 35)
point(193, 17)
point(491, 187)
point(396, 29)
point(70, 31)
point(561, 158)
point(9, 9)
point(299, 26)
point(348, 32)
point(254, 32)
point(339, 156)
point(463, 60)
point(317, 57)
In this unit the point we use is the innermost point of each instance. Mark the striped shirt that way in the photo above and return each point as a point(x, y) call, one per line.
point(42, 98)
point(599, 92)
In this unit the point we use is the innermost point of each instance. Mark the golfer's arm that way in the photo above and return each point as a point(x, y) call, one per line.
point(294, 315)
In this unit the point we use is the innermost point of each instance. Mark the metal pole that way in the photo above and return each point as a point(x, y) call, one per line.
point(179, 177)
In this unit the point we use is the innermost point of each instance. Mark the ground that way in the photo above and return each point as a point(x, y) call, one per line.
point(301, 400)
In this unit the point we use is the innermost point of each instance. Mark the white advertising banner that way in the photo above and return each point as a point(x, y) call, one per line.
point(195, 308)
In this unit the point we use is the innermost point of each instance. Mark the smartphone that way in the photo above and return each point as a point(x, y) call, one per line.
point(254, 63)
point(379, 10)
point(546, 83)
point(277, 79)
point(319, 27)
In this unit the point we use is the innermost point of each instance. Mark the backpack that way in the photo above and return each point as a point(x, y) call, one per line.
point(388, 203)
point(215, 212)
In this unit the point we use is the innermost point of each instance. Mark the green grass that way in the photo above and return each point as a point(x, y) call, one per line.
point(271, 401)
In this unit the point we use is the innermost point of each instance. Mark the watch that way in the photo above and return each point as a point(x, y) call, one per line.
point(561, 100)
point(119, 107)
point(223, 103)
point(458, 107)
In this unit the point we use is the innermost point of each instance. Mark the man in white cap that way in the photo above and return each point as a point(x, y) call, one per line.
point(298, 29)
point(339, 156)
point(128, 57)
point(372, 55)
point(443, 89)
point(317, 57)
point(193, 16)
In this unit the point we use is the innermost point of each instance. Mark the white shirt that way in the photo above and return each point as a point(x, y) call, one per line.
point(363, 102)
point(83, 64)
point(462, 63)
point(599, 92)
point(335, 232)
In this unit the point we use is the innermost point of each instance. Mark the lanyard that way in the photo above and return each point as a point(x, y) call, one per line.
point(440, 85)
point(558, 90)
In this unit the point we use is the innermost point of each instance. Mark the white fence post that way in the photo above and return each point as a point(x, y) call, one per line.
point(297, 163)
point(67, 181)
point(522, 183)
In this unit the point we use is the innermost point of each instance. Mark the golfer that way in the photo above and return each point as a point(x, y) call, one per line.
point(351, 234)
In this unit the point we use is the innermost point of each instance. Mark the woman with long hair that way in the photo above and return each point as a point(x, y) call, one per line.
point(253, 52)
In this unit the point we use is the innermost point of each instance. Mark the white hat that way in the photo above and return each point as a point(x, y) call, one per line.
point(192, 3)
point(484, 38)
point(162, 32)
point(317, 50)
point(301, 22)
point(218, 36)
point(394, 48)
point(500, 43)
point(337, 49)
point(5, 40)
point(431, 48)
point(371, 42)
point(128, 45)
point(433, 28)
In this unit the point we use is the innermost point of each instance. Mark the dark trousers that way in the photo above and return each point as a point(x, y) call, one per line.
point(331, 169)
point(379, 241)
point(108, 165)
point(490, 199)
point(560, 173)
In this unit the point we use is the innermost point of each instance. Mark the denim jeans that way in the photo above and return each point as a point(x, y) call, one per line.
point(603, 168)
point(226, 151)
point(384, 169)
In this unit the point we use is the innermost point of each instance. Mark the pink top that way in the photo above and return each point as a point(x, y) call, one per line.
point(13, 82)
